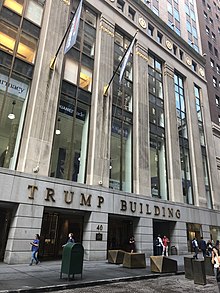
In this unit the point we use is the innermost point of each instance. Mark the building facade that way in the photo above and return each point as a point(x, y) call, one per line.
point(139, 160)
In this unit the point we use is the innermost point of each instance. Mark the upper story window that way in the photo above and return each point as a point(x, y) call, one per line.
point(181, 54)
point(32, 12)
point(213, 37)
point(217, 100)
point(159, 37)
point(205, 15)
point(150, 30)
point(170, 8)
point(208, 7)
point(131, 13)
point(211, 20)
point(176, 14)
point(216, 52)
point(214, 80)
point(210, 47)
point(192, 13)
point(218, 69)
point(207, 29)
point(120, 5)
point(194, 66)
point(188, 26)
point(212, 63)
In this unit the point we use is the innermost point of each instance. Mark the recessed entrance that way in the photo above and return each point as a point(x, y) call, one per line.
point(56, 226)
point(5, 220)
point(163, 228)
point(120, 229)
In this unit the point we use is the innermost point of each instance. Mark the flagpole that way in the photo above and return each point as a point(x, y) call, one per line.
point(53, 61)
point(107, 87)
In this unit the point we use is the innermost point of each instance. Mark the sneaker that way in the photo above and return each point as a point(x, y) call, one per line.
point(37, 262)
point(30, 264)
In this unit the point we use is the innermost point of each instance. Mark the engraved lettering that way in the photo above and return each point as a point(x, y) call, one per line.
point(123, 205)
point(32, 190)
point(100, 201)
point(50, 194)
point(156, 211)
point(85, 201)
point(68, 196)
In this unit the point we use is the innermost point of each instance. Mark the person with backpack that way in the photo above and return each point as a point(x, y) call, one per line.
point(158, 246)
point(195, 248)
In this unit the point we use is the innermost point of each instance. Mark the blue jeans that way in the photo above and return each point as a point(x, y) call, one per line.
point(34, 257)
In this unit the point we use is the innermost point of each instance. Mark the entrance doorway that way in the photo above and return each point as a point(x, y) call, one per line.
point(120, 229)
point(193, 231)
point(163, 228)
point(56, 226)
point(5, 220)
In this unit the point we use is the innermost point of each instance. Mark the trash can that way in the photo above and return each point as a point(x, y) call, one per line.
point(72, 260)
point(173, 250)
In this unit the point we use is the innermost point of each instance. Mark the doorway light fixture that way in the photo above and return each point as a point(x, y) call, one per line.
point(11, 115)
point(58, 131)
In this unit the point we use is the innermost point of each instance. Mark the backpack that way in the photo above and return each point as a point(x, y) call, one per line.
point(157, 242)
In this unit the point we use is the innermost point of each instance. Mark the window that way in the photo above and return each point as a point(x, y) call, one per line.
point(217, 101)
point(120, 5)
point(34, 12)
point(213, 37)
point(207, 30)
point(13, 100)
point(214, 81)
point(120, 173)
point(131, 13)
point(194, 66)
point(176, 14)
point(170, 8)
point(69, 152)
point(212, 63)
point(157, 129)
point(150, 30)
point(183, 140)
point(218, 69)
point(174, 49)
point(219, 119)
point(159, 37)
point(203, 146)
point(188, 26)
point(210, 47)
point(216, 52)
point(181, 54)
point(210, 20)
point(15, 5)
point(187, 9)
point(205, 15)
point(208, 7)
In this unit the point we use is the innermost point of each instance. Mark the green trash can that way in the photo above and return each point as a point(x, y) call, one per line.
point(72, 260)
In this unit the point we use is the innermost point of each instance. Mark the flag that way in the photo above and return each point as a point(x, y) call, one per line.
point(71, 39)
point(126, 57)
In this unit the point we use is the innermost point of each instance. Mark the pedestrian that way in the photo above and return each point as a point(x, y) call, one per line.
point(132, 244)
point(202, 246)
point(215, 262)
point(35, 248)
point(195, 248)
point(209, 247)
point(70, 239)
point(166, 242)
point(158, 245)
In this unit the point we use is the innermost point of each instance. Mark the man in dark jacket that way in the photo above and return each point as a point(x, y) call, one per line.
point(202, 246)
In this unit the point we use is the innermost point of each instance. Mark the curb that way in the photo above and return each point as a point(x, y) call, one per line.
point(91, 283)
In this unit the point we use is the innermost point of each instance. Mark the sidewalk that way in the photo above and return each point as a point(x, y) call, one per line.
point(46, 275)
